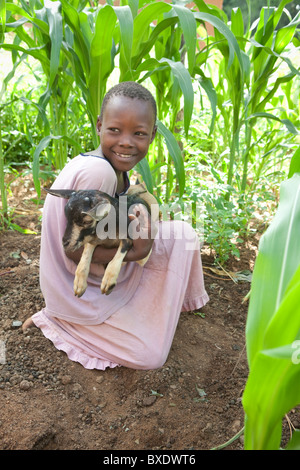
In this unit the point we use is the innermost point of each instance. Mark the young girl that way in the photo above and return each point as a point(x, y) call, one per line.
point(133, 326)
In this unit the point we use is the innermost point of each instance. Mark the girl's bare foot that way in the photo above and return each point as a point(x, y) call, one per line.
point(28, 324)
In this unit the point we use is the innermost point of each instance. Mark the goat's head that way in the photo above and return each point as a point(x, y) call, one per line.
point(83, 210)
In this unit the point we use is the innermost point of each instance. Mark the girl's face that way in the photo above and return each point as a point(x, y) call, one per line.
point(126, 131)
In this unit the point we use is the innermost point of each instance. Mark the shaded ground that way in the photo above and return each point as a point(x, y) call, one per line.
point(48, 402)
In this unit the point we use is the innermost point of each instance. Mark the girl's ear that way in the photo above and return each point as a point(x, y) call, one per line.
point(98, 125)
point(153, 134)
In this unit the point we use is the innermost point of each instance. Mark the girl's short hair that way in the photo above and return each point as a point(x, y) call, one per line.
point(131, 90)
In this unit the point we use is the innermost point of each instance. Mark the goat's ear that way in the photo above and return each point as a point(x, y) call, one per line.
point(99, 211)
point(65, 193)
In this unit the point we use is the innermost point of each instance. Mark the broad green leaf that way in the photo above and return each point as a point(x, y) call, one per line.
point(284, 36)
point(2, 19)
point(125, 19)
point(264, 35)
point(294, 443)
point(279, 10)
point(15, 9)
point(181, 74)
point(295, 163)
point(207, 85)
point(280, 332)
point(185, 83)
point(40, 147)
point(225, 31)
point(189, 29)
point(144, 170)
point(271, 392)
point(42, 112)
point(279, 81)
point(34, 52)
point(146, 46)
point(271, 52)
point(276, 263)
point(143, 20)
point(289, 125)
point(56, 35)
point(25, 231)
point(237, 22)
point(203, 7)
point(134, 6)
point(273, 325)
point(175, 154)
point(101, 59)
point(72, 18)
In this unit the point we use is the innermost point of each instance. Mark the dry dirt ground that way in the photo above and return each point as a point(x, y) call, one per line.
point(48, 402)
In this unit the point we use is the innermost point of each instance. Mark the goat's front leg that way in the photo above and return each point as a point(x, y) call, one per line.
point(114, 266)
point(83, 269)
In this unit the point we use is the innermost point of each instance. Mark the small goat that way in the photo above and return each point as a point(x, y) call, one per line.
point(84, 210)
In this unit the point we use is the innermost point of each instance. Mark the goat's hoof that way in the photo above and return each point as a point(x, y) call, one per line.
point(79, 287)
point(108, 290)
point(107, 287)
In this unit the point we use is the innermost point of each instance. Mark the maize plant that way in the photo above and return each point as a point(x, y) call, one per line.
point(80, 46)
point(273, 324)
point(244, 94)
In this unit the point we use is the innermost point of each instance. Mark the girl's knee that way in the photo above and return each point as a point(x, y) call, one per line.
point(152, 359)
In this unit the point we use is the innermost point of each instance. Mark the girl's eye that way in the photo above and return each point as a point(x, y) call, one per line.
point(113, 129)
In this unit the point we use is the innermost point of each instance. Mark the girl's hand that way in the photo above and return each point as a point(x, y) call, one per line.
point(142, 232)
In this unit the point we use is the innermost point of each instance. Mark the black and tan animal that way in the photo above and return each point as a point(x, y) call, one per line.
point(83, 211)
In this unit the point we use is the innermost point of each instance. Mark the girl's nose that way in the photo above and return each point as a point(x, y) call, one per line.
point(125, 140)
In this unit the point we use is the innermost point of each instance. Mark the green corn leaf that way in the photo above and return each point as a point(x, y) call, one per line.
point(146, 46)
point(42, 113)
point(234, 48)
point(36, 156)
point(278, 82)
point(284, 36)
point(175, 154)
point(143, 20)
point(273, 271)
point(2, 19)
point(207, 85)
point(180, 73)
point(125, 19)
point(144, 170)
point(18, 11)
point(264, 35)
point(237, 22)
point(134, 6)
point(294, 443)
point(185, 83)
point(278, 56)
point(271, 392)
point(295, 163)
point(101, 58)
point(189, 29)
point(279, 10)
point(273, 325)
point(56, 35)
point(289, 125)
point(81, 48)
point(34, 52)
point(25, 231)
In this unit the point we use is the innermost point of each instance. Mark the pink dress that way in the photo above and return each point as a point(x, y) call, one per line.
point(133, 326)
